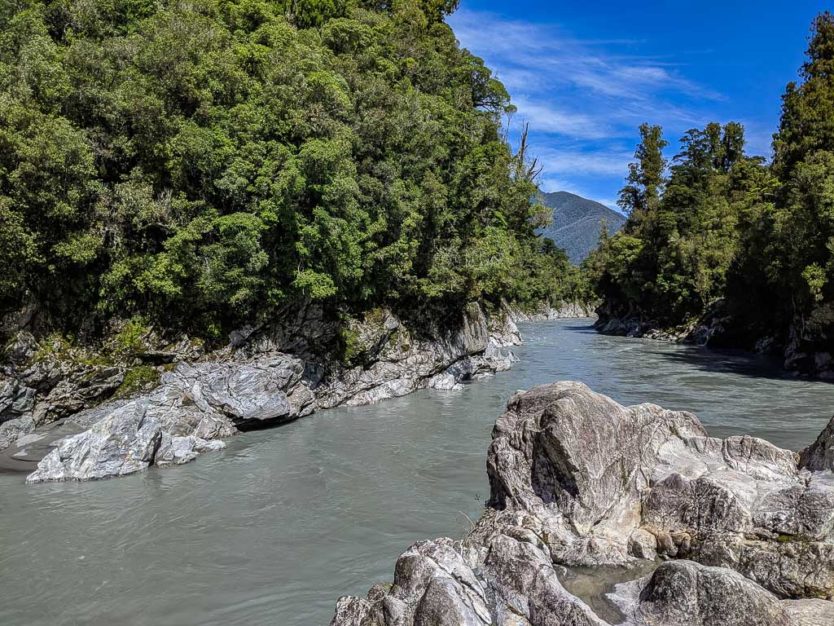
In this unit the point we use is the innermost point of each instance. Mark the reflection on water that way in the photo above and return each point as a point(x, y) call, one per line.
point(279, 525)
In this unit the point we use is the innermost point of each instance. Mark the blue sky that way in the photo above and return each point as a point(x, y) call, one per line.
point(586, 74)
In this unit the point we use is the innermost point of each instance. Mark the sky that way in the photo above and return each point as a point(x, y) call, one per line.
point(585, 75)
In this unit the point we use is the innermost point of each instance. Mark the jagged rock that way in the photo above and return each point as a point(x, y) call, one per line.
point(683, 593)
point(579, 480)
point(446, 583)
point(819, 456)
point(21, 348)
point(122, 443)
point(254, 392)
point(255, 386)
point(576, 458)
point(11, 430)
point(179, 450)
point(82, 389)
point(592, 473)
point(566, 310)
point(406, 363)
point(16, 399)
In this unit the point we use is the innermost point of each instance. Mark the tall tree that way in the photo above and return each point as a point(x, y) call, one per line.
point(646, 175)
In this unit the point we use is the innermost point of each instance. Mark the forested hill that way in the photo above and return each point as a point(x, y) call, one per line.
point(577, 222)
point(746, 242)
point(202, 164)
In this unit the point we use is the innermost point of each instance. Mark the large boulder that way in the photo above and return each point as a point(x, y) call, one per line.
point(448, 583)
point(196, 406)
point(683, 593)
point(122, 443)
point(579, 480)
point(608, 483)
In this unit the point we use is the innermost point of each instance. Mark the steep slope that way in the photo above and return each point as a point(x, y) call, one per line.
point(576, 223)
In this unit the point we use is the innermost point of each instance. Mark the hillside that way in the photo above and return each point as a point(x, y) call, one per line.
point(576, 223)
point(204, 165)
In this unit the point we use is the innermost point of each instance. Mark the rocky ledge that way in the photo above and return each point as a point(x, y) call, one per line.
point(265, 377)
point(737, 530)
point(566, 310)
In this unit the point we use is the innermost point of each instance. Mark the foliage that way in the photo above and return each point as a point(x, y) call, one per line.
point(671, 260)
point(139, 378)
point(729, 227)
point(204, 163)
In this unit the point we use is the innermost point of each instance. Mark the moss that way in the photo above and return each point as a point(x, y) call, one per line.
point(349, 344)
point(375, 316)
point(141, 378)
point(54, 347)
point(130, 338)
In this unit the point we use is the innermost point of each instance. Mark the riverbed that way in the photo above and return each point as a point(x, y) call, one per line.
point(279, 525)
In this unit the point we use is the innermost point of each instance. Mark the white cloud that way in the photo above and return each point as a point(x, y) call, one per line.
point(548, 119)
point(583, 99)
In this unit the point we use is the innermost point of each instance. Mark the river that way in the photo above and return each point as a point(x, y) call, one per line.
point(279, 525)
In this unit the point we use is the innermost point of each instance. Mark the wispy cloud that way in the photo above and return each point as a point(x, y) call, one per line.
point(583, 98)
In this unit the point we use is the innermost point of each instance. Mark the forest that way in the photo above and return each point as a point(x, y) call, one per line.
point(201, 164)
point(738, 239)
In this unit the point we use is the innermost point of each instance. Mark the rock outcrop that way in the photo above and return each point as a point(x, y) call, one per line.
point(745, 528)
point(819, 456)
point(253, 384)
point(566, 310)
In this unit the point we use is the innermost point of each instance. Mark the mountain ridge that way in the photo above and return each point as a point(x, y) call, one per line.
point(576, 222)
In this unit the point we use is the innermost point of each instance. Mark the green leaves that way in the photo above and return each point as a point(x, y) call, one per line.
point(201, 163)
point(727, 227)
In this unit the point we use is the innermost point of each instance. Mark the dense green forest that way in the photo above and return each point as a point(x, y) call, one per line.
point(204, 163)
point(723, 234)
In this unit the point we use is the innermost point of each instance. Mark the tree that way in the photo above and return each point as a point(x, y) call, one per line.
point(644, 183)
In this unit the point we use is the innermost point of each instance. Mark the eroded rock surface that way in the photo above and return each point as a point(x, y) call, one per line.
point(252, 384)
point(579, 480)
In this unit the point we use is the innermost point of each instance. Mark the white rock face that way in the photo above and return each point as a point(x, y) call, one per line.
point(201, 403)
point(123, 442)
point(579, 480)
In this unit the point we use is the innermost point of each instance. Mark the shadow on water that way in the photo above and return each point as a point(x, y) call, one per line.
point(722, 361)
point(584, 328)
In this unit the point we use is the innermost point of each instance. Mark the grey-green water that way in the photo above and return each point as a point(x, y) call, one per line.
point(275, 528)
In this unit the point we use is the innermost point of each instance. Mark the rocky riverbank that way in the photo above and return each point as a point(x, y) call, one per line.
point(566, 310)
point(74, 410)
point(801, 351)
point(737, 530)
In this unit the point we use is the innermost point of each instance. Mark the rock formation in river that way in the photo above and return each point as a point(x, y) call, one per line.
point(267, 377)
point(745, 530)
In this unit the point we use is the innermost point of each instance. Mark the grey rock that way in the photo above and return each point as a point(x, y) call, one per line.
point(593, 474)
point(122, 443)
point(443, 582)
point(566, 310)
point(398, 363)
point(16, 399)
point(254, 385)
point(809, 612)
point(82, 389)
point(179, 450)
point(251, 392)
point(819, 456)
point(683, 593)
point(21, 348)
point(578, 461)
point(578, 480)
point(11, 430)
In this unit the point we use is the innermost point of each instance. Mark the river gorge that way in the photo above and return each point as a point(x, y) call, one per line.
point(277, 526)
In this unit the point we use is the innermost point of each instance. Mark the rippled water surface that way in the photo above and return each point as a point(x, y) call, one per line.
point(277, 527)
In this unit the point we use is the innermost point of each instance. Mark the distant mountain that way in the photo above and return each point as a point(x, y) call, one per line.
point(576, 223)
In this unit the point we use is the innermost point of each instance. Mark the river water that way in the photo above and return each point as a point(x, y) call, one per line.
point(279, 525)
